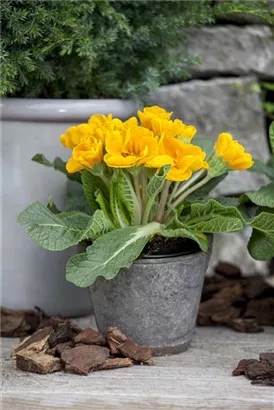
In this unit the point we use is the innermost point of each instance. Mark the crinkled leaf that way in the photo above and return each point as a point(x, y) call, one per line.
point(52, 207)
point(261, 243)
point(117, 210)
point(228, 201)
point(211, 216)
point(76, 199)
point(263, 197)
point(156, 183)
point(58, 164)
point(127, 198)
point(60, 231)
point(153, 189)
point(92, 185)
point(108, 254)
point(104, 205)
point(200, 238)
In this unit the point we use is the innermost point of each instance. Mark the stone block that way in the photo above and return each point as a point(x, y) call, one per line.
point(229, 49)
point(222, 105)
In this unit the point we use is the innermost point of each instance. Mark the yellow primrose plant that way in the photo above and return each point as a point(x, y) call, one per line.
point(142, 177)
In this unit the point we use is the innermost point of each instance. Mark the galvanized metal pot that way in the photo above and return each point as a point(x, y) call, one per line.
point(155, 302)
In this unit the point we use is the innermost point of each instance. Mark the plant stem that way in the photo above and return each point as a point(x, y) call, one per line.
point(188, 192)
point(174, 190)
point(143, 183)
point(105, 180)
point(138, 191)
point(163, 201)
point(189, 183)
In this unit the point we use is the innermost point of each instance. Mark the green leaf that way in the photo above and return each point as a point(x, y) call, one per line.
point(52, 207)
point(76, 199)
point(153, 189)
point(263, 197)
point(227, 201)
point(91, 184)
point(212, 217)
point(56, 232)
point(58, 164)
point(262, 168)
point(200, 238)
point(261, 243)
point(41, 159)
point(127, 197)
point(156, 183)
point(117, 209)
point(108, 254)
point(104, 205)
point(271, 136)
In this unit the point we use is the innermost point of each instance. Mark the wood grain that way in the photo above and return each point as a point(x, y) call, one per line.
point(198, 379)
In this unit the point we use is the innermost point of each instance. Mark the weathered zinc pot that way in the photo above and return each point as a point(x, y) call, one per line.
point(31, 275)
point(155, 302)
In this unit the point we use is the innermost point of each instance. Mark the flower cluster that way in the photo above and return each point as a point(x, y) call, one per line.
point(153, 141)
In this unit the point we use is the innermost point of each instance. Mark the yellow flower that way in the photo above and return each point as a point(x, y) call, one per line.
point(150, 114)
point(102, 125)
point(130, 147)
point(183, 158)
point(173, 129)
point(99, 120)
point(85, 155)
point(75, 135)
point(232, 152)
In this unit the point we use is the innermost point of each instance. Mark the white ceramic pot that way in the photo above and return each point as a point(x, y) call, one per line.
point(32, 276)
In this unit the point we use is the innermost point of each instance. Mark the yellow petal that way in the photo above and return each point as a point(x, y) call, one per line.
point(223, 140)
point(241, 163)
point(117, 161)
point(73, 166)
point(115, 143)
point(176, 174)
point(159, 161)
point(189, 132)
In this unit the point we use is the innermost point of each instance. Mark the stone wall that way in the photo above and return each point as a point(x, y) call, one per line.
point(224, 96)
point(224, 93)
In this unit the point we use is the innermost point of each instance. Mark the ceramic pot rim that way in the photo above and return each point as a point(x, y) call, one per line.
point(59, 110)
point(160, 259)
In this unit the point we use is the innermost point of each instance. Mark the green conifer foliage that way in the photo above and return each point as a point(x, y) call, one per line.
point(98, 49)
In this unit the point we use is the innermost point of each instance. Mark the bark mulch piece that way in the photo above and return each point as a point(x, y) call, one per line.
point(84, 358)
point(260, 372)
point(57, 344)
point(115, 363)
point(20, 323)
point(61, 333)
point(38, 342)
point(34, 362)
point(59, 349)
point(120, 343)
point(90, 337)
point(242, 303)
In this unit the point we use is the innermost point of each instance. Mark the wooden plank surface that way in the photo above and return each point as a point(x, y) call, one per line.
point(198, 379)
